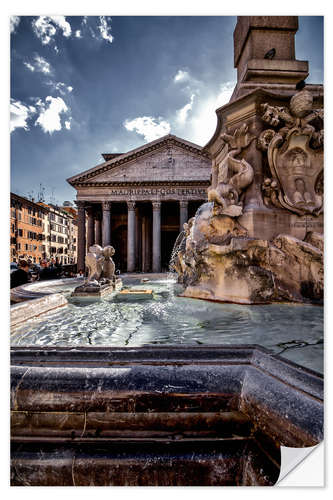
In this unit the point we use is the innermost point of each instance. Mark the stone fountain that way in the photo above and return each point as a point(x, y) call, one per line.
point(200, 415)
point(101, 273)
point(259, 238)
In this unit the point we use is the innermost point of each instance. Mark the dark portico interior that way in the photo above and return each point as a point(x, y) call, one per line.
point(172, 221)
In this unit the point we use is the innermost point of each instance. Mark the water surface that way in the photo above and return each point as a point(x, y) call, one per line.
point(293, 330)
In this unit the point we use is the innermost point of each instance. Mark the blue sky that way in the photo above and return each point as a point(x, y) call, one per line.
point(82, 86)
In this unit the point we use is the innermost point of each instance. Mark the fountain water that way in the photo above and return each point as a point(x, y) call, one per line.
point(87, 411)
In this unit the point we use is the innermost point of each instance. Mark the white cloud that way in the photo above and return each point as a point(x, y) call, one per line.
point(60, 87)
point(40, 64)
point(147, 126)
point(104, 29)
point(14, 22)
point(45, 27)
point(78, 34)
point(50, 111)
point(29, 66)
point(183, 112)
point(202, 124)
point(68, 124)
point(19, 115)
point(181, 76)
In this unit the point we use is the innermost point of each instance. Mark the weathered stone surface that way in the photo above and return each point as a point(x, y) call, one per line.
point(153, 415)
point(219, 262)
point(24, 311)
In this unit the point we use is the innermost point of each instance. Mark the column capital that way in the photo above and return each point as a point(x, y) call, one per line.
point(183, 203)
point(131, 205)
point(106, 205)
point(156, 205)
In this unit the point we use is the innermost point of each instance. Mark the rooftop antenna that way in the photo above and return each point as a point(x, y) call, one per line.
point(52, 198)
point(41, 193)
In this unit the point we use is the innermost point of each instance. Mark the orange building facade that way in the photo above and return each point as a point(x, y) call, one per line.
point(27, 238)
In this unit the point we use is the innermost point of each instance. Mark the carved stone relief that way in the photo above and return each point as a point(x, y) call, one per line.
point(234, 175)
point(295, 155)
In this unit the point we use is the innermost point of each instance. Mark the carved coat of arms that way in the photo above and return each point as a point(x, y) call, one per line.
point(295, 155)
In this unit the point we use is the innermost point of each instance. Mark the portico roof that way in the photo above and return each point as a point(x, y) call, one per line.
point(120, 159)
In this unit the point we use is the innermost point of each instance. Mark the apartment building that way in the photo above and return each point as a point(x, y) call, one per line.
point(26, 229)
point(60, 234)
point(41, 230)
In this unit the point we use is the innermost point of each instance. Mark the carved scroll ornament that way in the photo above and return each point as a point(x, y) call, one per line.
point(295, 155)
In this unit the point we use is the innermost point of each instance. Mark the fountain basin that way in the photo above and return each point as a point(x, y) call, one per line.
point(134, 294)
point(152, 415)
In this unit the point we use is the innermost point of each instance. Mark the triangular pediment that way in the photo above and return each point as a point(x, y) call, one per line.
point(167, 159)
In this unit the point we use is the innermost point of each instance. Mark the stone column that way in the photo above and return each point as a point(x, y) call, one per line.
point(81, 235)
point(183, 213)
point(156, 236)
point(91, 227)
point(137, 239)
point(106, 236)
point(130, 236)
point(98, 229)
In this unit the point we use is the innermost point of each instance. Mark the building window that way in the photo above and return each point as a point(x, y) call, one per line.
point(20, 232)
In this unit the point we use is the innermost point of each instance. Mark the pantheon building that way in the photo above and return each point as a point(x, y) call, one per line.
point(138, 201)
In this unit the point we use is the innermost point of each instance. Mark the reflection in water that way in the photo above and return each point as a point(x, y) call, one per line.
point(294, 330)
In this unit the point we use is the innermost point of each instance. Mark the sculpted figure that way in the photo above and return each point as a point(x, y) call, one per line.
point(108, 265)
point(94, 262)
point(234, 175)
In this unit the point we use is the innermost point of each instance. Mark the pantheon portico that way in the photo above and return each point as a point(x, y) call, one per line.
point(138, 201)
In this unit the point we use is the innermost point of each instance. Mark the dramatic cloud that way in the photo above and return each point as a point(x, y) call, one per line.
point(150, 128)
point(50, 111)
point(29, 66)
point(42, 65)
point(104, 29)
point(183, 112)
point(19, 115)
point(60, 87)
point(39, 64)
point(181, 76)
point(78, 34)
point(46, 27)
point(14, 22)
point(202, 123)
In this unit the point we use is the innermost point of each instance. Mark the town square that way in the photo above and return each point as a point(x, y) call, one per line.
point(166, 248)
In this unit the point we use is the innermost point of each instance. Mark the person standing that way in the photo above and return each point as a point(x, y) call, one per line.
point(21, 275)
